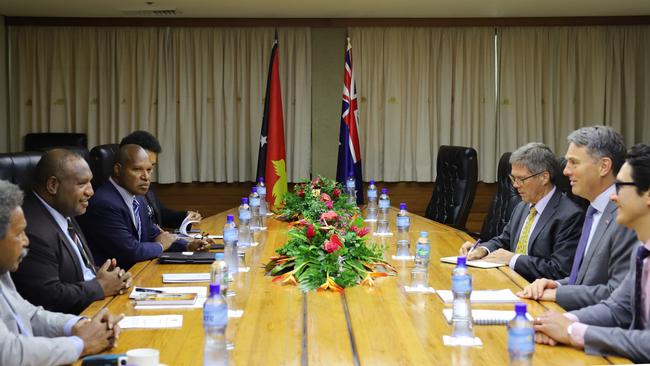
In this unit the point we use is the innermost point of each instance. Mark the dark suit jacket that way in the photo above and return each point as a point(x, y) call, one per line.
point(551, 245)
point(110, 231)
point(51, 274)
point(161, 215)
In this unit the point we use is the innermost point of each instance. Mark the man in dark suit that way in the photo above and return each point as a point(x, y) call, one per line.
point(619, 325)
point(59, 273)
point(30, 335)
point(160, 215)
point(541, 237)
point(594, 157)
point(116, 223)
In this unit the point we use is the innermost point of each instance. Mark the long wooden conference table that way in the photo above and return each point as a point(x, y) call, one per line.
point(380, 325)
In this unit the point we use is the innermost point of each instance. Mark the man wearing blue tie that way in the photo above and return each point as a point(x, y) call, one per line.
point(594, 156)
point(116, 223)
point(618, 325)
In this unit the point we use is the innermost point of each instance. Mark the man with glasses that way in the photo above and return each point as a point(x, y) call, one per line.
point(618, 325)
point(541, 237)
point(594, 156)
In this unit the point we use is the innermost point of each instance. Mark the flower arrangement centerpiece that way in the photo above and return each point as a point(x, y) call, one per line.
point(327, 248)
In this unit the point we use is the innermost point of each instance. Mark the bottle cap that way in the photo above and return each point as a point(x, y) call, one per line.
point(215, 288)
point(384, 190)
point(244, 200)
point(424, 234)
point(254, 189)
point(461, 261)
point(230, 218)
point(520, 308)
point(402, 206)
point(218, 256)
point(260, 179)
point(372, 182)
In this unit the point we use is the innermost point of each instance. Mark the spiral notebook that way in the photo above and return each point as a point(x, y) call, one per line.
point(487, 317)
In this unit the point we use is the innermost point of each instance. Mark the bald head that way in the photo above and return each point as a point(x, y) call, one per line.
point(62, 179)
point(132, 169)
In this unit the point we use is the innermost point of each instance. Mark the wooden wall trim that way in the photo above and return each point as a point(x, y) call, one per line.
point(328, 22)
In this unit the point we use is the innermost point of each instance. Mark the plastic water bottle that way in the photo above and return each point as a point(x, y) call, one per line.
point(245, 235)
point(382, 219)
point(264, 208)
point(230, 235)
point(219, 272)
point(371, 209)
point(403, 226)
point(521, 338)
point(420, 273)
point(461, 287)
point(351, 189)
point(254, 202)
point(215, 321)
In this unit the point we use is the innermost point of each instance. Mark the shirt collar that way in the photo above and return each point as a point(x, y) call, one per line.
point(128, 197)
point(56, 215)
point(541, 204)
point(602, 200)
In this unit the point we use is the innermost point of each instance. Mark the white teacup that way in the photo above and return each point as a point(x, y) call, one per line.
point(143, 357)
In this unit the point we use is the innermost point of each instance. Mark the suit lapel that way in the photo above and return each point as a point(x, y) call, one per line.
point(129, 214)
point(549, 211)
point(605, 221)
point(521, 219)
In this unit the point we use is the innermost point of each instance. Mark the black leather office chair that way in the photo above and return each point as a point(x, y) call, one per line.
point(102, 158)
point(562, 183)
point(504, 201)
point(47, 140)
point(455, 187)
point(18, 168)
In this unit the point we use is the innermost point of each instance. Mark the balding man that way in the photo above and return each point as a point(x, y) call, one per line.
point(59, 273)
point(116, 223)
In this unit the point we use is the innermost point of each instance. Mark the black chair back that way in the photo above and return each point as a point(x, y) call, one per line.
point(453, 194)
point(102, 158)
point(47, 140)
point(563, 184)
point(504, 201)
point(18, 168)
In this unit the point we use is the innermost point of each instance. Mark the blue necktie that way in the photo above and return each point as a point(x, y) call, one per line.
point(136, 214)
point(582, 244)
point(641, 254)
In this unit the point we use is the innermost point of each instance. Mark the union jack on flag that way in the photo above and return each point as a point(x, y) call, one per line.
point(349, 159)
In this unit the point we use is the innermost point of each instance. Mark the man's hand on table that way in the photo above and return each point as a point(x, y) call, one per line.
point(200, 245)
point(501, 256)
point(541, 289)
point(112, 278)
point(554, 326)
point(99, 333)
point(477, 253)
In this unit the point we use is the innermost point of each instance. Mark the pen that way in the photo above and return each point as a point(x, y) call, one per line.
point(143, 289)
point(474, 246)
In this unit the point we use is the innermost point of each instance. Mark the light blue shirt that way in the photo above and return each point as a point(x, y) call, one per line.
point(600, 203)
point(63, 225)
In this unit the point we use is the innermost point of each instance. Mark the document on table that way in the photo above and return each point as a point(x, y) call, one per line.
point(477, 264)
point(185, 277)
point(151, 321)
point(486, 296)
point(487, 317)
point(202, 293)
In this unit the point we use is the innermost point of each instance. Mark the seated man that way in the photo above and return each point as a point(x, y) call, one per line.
point(618, 325)
point(28, 334)
point(601, 262)
point(116, 226)
point(541, 237)
point(159, 214)
point(59, 273)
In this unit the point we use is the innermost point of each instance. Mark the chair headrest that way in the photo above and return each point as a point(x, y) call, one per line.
point(18, 168)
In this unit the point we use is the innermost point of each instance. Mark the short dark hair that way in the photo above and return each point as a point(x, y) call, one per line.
point(52, 164)
point(638, 157)
point(144, 139)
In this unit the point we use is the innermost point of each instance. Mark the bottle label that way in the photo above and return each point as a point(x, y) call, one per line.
point(384, 203)
point(521, 340)
point(350, 184)
point(215, 315)
point(461, 283)
point(244, 215)
point(230, 234)
point(403, 221)
point(255, 201)
point(372, 193)
point(261, 190)
point(422, 251)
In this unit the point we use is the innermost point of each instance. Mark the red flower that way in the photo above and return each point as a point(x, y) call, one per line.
point(301, 193)
point(329, 204)
point(311, 232)
point(325, 197)
point(333, 244)
point(363, 232)
point(316, 182)
point(329, 216)
point(336, 193)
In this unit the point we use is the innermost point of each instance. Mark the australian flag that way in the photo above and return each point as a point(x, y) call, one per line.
point(349, 162)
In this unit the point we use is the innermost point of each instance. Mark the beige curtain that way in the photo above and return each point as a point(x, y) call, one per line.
point(199, 90)
point(421, 88)
point(556, 79)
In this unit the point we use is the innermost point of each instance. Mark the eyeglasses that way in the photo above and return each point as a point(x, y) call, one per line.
point(618, 184)
point(521, 181)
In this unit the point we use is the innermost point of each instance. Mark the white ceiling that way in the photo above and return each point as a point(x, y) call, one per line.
point(329, 8)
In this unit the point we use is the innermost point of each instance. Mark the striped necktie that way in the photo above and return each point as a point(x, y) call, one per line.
point(136, 214)
point(82, 250)
point(522, 244)
point(641, 254)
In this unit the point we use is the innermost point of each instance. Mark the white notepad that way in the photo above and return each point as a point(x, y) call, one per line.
point(477, 264)
point(185, 277)
point(151, 321)
point(486, 296)
point(487, 317)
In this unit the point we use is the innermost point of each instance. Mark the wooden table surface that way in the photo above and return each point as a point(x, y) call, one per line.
point(380, 325)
